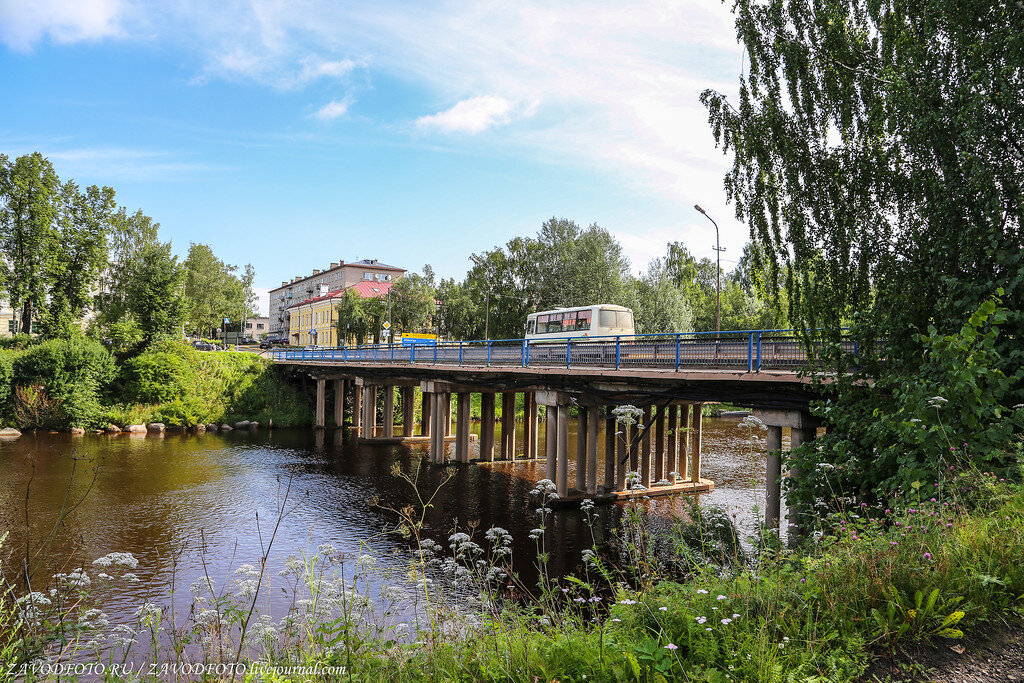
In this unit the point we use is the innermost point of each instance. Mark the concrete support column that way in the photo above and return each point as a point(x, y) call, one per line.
point(773, 473)
point(437, 427)
point(672, 450)
point(389, 411)
point(408, 410)
point(562, 448)
point(357, 407)
point(321, 399)
point(369, 411)
point(685, 417)
point(550, 441)
point(581, 448)
point(609, 450)
point(339, 402)
point(508, 425)
point(487, 427)
point(695, 451)
point(632, 437)
point(446, 405)
point(622, 456)
point(593, 424)
point(659, 446)
point(531, 428)
point(645, 449)
point(463, 402)
point(426, 413)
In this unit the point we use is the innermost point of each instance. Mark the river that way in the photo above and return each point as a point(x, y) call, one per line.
point(187, 505)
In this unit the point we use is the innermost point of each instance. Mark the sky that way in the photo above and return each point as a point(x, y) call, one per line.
point(292, 133)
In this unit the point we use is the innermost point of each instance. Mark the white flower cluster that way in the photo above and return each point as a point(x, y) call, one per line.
point(117, 560)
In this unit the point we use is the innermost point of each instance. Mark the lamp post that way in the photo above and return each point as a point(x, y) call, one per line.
point(718, 272)
point(487, 306)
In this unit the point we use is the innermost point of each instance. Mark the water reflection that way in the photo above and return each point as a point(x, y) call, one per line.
point(187, 505)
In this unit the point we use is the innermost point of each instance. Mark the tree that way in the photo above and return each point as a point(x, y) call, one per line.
point(412, 301)
point(77, 255)
point(29, 190)
point(878, 157)
point(355, 319)
point(214, 290)
point(130, 235)
point(660, 306)
point(155, 296)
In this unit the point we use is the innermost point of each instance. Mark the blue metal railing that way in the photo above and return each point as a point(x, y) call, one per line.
point(743, 351)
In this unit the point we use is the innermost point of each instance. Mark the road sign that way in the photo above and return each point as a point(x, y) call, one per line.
point(387, 325)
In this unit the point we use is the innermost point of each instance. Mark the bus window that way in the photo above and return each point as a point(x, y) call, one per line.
point(583, 320)
point(624, 319)
point(555, 322)
point(607, 318)
point(530, 327)
point(542, 324)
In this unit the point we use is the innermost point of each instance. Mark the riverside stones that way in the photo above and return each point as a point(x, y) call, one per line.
point(226, 428)
point(9, 433)
point(135, 429)
point(244, 424)
point(199, 429)
point(212, 427)
point(112, 429)
point(157, 427)
point(77, 431)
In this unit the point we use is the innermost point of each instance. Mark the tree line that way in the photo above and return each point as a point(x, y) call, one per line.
point(567, 265)
point(73, 259)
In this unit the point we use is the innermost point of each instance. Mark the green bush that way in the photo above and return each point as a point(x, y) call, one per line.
point(17, 341)
point(158, 377)
point(6, 373)
point(74, 373)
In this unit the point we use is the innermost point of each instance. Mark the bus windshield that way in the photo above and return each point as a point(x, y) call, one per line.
point(616, 319)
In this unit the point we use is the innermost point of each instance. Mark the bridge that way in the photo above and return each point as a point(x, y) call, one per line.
point(668, 378)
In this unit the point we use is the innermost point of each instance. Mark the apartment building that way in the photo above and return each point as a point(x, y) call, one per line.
point(315, 321)
point(10, 321)
point(338, 277)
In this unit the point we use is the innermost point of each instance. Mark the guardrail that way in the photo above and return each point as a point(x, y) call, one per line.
point(745, 351)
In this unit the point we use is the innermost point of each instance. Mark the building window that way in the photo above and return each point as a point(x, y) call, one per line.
point(35, 327)
point(259, 326)
point(12, 325)
point(367, 276)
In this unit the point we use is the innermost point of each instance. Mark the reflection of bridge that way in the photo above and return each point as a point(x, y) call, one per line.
point(669, 377)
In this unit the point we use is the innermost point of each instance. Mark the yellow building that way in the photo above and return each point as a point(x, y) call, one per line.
point(315, 321)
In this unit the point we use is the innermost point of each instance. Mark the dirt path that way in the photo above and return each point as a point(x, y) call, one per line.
point(997, 655)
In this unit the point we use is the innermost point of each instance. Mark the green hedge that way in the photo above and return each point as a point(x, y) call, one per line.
point(63, 383)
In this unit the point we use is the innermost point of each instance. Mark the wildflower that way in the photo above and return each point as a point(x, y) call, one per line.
point(627, 602)
point(735, 616)
point(927, 556)
point(616, 619)
point(117, 560)
point(722, 597)
point(700, 620)
point(670, 646)
point(937, 401)
point(726, 621)
point(663, 609)
point(702, 591)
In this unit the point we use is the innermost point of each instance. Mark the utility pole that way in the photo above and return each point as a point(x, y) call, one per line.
point(718, 273)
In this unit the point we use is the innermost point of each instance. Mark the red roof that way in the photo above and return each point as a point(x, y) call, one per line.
point(368, 289)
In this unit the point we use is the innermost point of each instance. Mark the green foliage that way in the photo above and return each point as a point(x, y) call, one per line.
point(214, 291)
point(412, 302)
point(74, 372)
point(154, 296)
point(157, 377)
point(358, 317)
point(6, 374)
point(957, 412)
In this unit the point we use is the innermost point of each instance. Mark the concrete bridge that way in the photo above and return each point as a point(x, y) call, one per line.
point(668, 378)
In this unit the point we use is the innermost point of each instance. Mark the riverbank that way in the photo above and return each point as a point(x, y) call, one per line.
point(77, 384)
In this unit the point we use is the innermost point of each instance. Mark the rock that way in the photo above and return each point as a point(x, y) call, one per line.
point(9, 433)
point(157, 427)
point(212, 427)
point(226, 428)
point(135, 429)
point(199, 429)
point(77, 431)
point(112, 429)
point(244, 424)
point(97, 431)
point(254, 425)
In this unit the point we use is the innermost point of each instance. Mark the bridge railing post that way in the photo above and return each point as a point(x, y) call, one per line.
point(488, 352)
point(568, 352)
point(435, 352)
point(392, 346)
point(750, 352)
point(618, 352)
point(460, 353)
point(759, 352)
point(679, 342)
point(526, 353)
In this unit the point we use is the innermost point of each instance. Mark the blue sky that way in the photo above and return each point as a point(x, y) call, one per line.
point(289, 134)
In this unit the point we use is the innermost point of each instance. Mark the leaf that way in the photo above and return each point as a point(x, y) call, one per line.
point(950, 633)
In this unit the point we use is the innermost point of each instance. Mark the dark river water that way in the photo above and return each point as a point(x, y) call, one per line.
point(186, 505)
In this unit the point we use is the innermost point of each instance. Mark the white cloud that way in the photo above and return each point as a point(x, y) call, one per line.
point(112, 165)
point(25, 22)
point(331, 110)
point(472, 115)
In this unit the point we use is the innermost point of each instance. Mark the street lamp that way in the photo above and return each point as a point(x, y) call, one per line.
point(718, 273)
point(487, 307)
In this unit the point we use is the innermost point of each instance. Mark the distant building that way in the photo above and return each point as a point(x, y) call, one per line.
point(338, 277)
point(10, 321)
point(315, 321)
point(255, 328)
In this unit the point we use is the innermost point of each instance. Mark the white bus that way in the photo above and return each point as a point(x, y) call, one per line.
point(600, 320)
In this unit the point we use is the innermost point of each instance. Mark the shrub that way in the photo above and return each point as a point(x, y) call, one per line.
point(74, 372)
point(17, 341)
point(6, 373)
point(158, 377)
